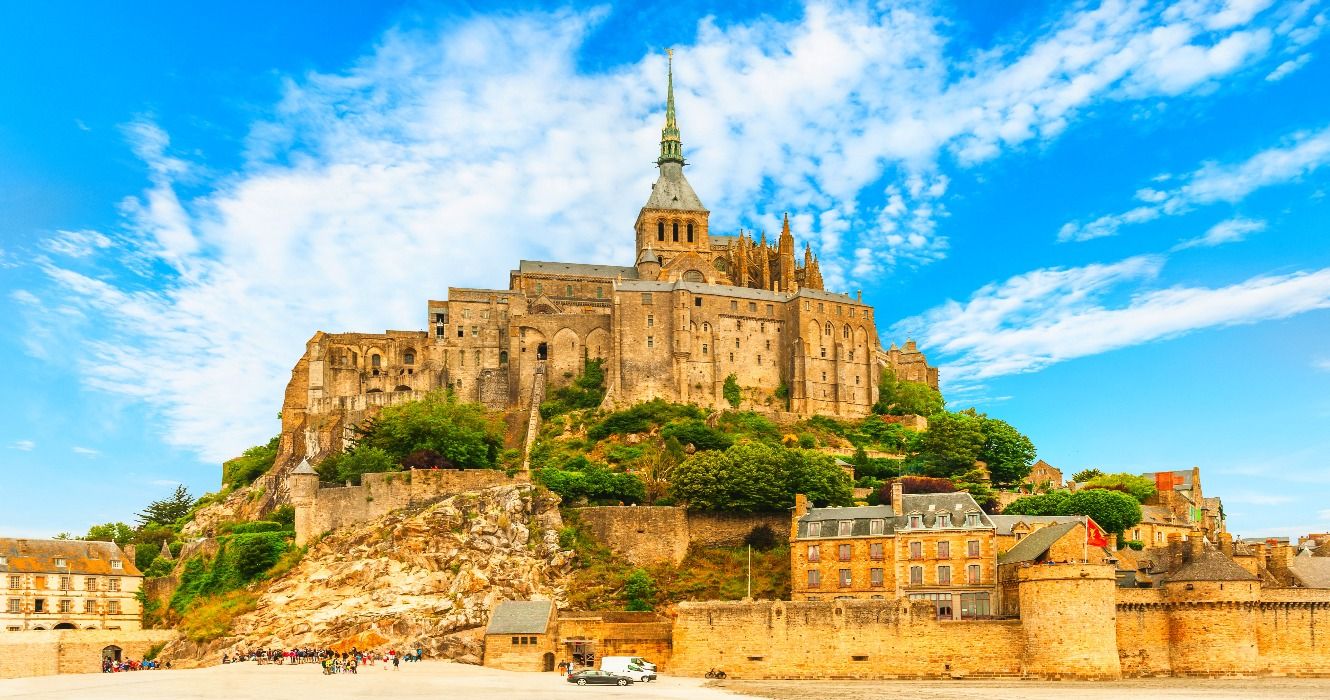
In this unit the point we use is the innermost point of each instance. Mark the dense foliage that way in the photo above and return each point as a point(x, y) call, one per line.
point(955, 441)
point(168, 510)
point(758, 477)
point(641, 418)
point(1115, 511)
point(639, 589)
point(462, 433)
point(354, 463)
point(240, 559)
point(730, 390)
point(580, 479)
point(1139, 487)
point(586, 391)
point(900, 398)
point(698, 434)
point(250, 465)
point(1085, 475)
point(1008, 454)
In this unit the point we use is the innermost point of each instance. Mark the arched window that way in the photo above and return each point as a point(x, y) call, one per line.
point(375, 361)
point(676, 232)
point(690, 233)
point(706, 327)
point(409, 357)
point(845, 332)
point(828, 329)
point(660, 230)
point(694, 276)
point(503, 357)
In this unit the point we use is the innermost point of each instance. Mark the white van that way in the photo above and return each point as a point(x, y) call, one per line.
point(630, 666)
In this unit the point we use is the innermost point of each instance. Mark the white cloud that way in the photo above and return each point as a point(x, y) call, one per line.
point(439, 160)
point(1227, 231)
point(77, 244)
point(1299, 155)
point(1288, 67)
point(1322, 364)
point(23, 445)
point(1052, 315)
point(86, 451)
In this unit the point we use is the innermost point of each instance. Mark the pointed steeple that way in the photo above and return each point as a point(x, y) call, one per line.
point(671, 148)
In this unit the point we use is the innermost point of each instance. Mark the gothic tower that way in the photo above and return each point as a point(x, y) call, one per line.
point(672, 226)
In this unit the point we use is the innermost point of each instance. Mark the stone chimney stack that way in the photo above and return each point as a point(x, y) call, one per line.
point(1226, 544)
point(1174, 551)
point(1195, 545)
point(897, 497)
point(799, 511)
point(131, 552)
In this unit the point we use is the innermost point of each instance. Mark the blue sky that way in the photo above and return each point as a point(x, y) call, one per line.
point(1104, 221)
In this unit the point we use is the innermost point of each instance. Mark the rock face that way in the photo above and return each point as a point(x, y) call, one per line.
point(424, 577)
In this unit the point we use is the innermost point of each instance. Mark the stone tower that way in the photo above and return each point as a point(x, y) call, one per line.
point(304, 485)
point(673, 222)
point(1069, 616)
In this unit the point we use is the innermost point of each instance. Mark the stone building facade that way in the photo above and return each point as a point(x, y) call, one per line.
point(532, 635)
point(938, 548)
point(66, 585)
point(694, 308)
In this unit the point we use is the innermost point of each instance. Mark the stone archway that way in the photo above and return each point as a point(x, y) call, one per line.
point(65, 626)
point(111, 653)
point(547, 661)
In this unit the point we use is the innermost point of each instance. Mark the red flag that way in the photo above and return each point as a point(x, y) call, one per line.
point(1095, 535)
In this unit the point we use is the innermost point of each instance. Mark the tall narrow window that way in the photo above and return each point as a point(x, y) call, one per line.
point(943, 550)
point(972, 573)
point(944, 575)
point(690, 233)
point(843, 552)
point(375, 361)
point(814, 578)
point(675, 232)
point(814, 552)
point(651, 320)
point(875, 577)
point(845, 580)
point(916, 575)
point(409, 357)
point(660, 230)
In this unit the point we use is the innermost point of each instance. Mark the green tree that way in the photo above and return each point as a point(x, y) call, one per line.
point(1139, 487)
point(731, 390)
point(758, 477)
point(168, 510)
point(118, 533)
point(698, 434)
point(1044, 504)
point(901, 398)
point(352, 465)
point(463, 433)
point(580, 478)
point(952, 443)
point(1113, 510)
point(1085, 475)
point(1008, 454)
point(640, 590)
point(586, 391)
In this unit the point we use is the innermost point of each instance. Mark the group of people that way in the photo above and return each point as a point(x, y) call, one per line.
point(330, 661)
point(113, 666)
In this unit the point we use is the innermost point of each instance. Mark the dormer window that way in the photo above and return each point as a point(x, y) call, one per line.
point(943, 520)
point(116, 564)
point(972, 519)
point(60, 562)
point(916, 520)
point(4, 561)
point(875, 527)
point(844, 528)
point(815, 528)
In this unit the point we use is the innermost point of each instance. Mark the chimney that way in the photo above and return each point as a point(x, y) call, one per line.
point(1174, 551)
point(130, 551)
point(800, 510)
point(897, 496)
point(1226, 544)
point(1196, 544)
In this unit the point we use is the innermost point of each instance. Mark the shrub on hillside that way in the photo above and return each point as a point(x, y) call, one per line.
point(642, 418)
point(462, 433)
point(250, 465)
point(586, 391)
point(698, 434)
point(757, 477)
point(750, 425)
point(580, 478)
point(1139, 487)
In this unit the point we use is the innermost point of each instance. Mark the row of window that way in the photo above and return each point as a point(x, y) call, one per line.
point(65, 583)
point(877, 551)
point(821, 308)
point(845, 579)
point(876, 526)
point(524, 640)
point(972, 605)
point(64, 605)
point(63, 563)
point(540, 289)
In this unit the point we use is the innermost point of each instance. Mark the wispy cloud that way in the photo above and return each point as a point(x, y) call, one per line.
point(86, 451)
point(1052, 315)
point(23, 445)
point(1227, 231)
point(1288, 67)
point(1299, 155)
point(387, 173)
point(1322, 364)
point(77, 244)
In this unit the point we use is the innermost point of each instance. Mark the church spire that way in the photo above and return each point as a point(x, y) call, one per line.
point(671, 148)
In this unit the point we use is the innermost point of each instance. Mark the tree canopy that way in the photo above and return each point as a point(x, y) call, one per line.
point(1008, 454)
point(250, 465)
point(1139, 487)
point(463, 433)
point(1085, 475)
point(168, 510)
point(580, 478)
point(900, 398)
point(759, 477)
point(952, 443)
point(1115, 511)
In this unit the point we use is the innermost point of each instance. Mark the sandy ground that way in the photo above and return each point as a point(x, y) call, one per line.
point(428, 679)
point(1167, 688)
point(457, 681)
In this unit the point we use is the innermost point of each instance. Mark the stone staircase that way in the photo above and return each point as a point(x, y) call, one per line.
point(533, 417)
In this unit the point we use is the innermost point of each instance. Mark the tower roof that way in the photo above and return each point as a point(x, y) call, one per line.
point(672, 190)
point(671, 147)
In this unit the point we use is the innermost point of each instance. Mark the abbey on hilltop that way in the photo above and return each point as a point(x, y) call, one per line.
point(693, 309)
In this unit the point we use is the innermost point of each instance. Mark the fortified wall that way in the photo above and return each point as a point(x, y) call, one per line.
point(49, 652)
point(655, 534)
point(1069, 613)
point(321, 508)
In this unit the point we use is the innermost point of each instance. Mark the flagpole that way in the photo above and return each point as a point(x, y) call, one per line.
point(1086, 550)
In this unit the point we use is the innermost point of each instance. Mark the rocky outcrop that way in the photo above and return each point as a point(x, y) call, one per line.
point(422, 577)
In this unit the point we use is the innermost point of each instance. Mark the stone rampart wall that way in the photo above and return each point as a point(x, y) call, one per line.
point(46, 653)
point(869, 639)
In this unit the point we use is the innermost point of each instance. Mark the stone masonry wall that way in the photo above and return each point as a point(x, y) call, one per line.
point(652, 534)
point(870, 639)
point(46, 653)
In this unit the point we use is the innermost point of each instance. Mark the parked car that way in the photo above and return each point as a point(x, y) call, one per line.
point(634, 660)
point(592, 676)
point(624, 666)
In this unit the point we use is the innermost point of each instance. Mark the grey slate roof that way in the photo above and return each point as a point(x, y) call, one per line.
point(1310, 571)
point(929, 505)
point(1210, 566)
point(1004, 523)
point(1036, 543)
point(672, 191)
point(520, 617)
point(304, 467)
point(539, 267)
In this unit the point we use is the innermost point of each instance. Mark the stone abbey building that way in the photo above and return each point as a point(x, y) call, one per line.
point(693, 309)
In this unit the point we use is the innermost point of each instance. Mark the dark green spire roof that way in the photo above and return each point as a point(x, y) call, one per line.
point(671, 148)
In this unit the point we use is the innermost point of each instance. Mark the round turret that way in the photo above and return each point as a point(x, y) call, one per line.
point(1069, 617)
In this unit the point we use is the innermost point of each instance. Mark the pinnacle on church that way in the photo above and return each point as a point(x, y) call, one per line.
point(671, 148)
